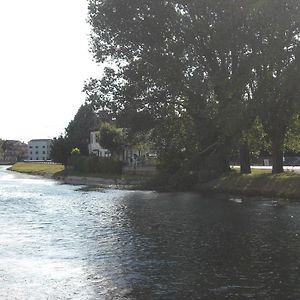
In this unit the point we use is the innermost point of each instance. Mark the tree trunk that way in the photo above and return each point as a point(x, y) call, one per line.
point(277, 156)
point(245, 159)
point(223, 162)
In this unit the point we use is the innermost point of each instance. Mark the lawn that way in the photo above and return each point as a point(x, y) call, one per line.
point(59, 170)
point(37, 168)
point(258, 183)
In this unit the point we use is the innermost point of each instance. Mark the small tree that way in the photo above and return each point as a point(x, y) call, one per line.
point(78, 130)
point(61, 150)
point(2, 148)
point(111, 138)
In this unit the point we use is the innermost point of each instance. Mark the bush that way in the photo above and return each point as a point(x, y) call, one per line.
point(94, 164)
point(75, 151)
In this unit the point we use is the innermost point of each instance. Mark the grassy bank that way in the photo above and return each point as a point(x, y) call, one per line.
point(259, 183)
point(58, 171)
point(37, 168)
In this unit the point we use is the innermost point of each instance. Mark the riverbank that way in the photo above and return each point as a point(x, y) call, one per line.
point(41, 169)
point(260, 183)
point(58, 172)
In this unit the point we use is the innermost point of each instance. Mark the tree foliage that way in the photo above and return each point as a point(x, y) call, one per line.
point(61, 150)
point(78, 130)
point(76, 135)
point(111, 138)
point(214, 66)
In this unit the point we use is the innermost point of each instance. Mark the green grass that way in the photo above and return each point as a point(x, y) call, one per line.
point(37, 168)
point(59, 170)
point(100, 175)
point(258, 183)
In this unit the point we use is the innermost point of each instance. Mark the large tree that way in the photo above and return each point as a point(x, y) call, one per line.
point(275, 86)
point(175, 57)
point(191, 60)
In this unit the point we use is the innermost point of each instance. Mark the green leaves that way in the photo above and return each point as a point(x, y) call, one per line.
point(221, 65)
point(78, 130)
point(111, 138)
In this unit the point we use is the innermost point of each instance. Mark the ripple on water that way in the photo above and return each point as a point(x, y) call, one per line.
point(59, 243)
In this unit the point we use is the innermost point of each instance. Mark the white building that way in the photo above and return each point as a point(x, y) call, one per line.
point(95, 147)
point(39, 149)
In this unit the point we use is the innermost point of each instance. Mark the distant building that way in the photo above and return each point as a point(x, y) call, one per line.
point(133, 155)
point(94, 146)
point(39, 149)
point(13, 151)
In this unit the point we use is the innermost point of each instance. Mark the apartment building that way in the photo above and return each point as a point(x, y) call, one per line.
point(39, 149)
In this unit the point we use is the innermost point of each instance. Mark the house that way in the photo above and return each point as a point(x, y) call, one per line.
point(94, 146)
point(137, 159)
point(39, 149)
point(132, 155)
point(13, 151)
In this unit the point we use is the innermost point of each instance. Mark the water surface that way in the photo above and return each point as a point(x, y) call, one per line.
point(59, 243)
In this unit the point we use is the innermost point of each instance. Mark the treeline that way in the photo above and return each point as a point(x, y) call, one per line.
point(200, 76)
point(76, 135)
point(71, 148)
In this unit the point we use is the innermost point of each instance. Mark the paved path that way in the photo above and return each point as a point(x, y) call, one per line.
point(286, 168)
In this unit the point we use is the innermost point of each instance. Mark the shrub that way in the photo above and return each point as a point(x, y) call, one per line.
point(75, 151)
point(94, 164)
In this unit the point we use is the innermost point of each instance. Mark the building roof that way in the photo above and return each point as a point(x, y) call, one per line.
point(40, 140)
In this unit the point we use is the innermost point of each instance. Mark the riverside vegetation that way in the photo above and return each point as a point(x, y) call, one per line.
point(107, 171)
point(258, 183)
point(37, 168)
point(205, 81)
point(202, 82)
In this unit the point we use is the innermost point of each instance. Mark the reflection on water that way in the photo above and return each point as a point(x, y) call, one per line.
point(58, 243)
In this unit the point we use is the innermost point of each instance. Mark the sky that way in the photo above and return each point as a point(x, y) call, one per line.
point(44, 61)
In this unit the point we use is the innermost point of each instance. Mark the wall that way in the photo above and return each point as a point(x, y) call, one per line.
point(39, 149)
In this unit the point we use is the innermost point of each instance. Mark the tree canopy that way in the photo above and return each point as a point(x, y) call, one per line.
point(213, 66)
point(78, 130)
point(77, 135)
point(110, 137)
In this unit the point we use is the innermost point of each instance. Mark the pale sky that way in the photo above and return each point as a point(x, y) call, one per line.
point(44, 61)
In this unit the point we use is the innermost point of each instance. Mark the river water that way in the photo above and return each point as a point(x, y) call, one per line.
point(60, 243)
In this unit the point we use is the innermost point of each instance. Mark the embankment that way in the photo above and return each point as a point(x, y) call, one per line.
point(259, 183)
point(41, 169)
point(58, 172)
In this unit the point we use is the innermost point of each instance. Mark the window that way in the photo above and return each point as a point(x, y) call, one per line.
point(37, 158)
point(44, 152)
point(44, 146)
point(36, 152)
point(36, 147)
point(43, 158)
point(30, 158)
point(30, 147)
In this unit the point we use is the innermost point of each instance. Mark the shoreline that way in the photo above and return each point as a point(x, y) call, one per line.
point(98, 182)
point(87, 181)
point(258, 184)
point(266, 185)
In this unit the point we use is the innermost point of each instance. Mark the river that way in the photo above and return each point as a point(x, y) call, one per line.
point(60, 243)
